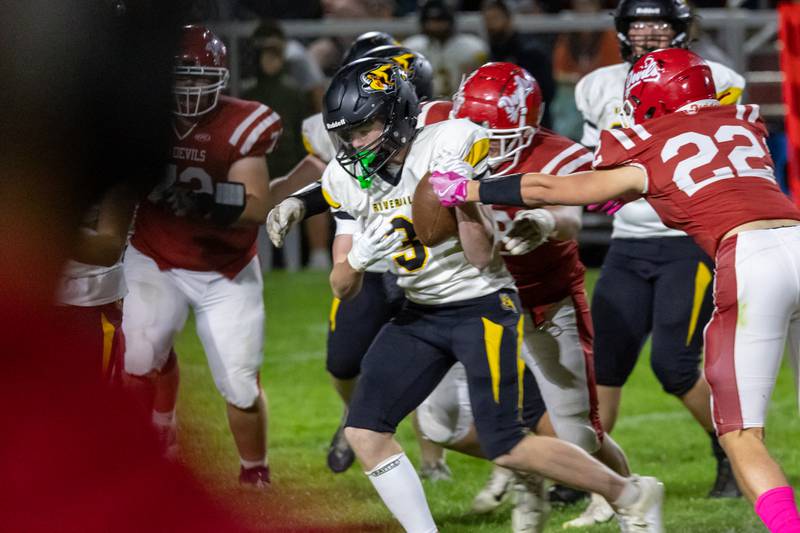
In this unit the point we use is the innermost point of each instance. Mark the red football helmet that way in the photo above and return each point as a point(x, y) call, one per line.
point(505, 99)
point(200, 70)
point(665, 81)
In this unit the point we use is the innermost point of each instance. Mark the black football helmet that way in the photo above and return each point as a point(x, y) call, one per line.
point(366, 42)
point(676, 12)
point(418, 69)
point(366, 89)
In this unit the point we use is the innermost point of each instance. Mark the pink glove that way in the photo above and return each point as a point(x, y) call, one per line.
point(609, 208)
point(450, 187)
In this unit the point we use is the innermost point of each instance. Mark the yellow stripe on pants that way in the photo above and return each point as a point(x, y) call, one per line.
point(520, 362)
point(492, 337)
point(108, 341)
point(701, 281)
point(332, 316)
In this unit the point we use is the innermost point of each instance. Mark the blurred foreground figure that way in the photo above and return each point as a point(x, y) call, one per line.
point(86, 99)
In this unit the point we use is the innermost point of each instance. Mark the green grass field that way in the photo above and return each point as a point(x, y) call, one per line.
point(658, 435)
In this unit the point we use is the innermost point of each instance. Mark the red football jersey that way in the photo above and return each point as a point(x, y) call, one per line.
point(707, 171)
point(201, 158)
point(433, 111)
point(545, 275)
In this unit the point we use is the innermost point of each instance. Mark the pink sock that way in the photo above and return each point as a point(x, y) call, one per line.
point(777, 509)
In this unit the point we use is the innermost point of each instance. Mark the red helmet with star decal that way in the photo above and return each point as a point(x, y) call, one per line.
point(505, 99)
point(200, 72)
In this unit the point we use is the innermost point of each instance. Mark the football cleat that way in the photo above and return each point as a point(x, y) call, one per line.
point(644, 515)
point(256, 477)
point(340, 455)
point(531, 503)
point(491, 495)
point(438, 471)
point(563, 495)
point(598, 512)
point(725, 485)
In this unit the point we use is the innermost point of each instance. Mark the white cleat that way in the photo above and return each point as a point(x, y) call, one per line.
point(598, 512)
point(438, 471)
point(531, 503)
point(491, 495)
point(644, 516)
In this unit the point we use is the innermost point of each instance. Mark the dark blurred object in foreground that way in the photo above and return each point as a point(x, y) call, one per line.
point(85, 103)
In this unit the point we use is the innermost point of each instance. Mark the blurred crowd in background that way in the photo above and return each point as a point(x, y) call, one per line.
point(290, 75)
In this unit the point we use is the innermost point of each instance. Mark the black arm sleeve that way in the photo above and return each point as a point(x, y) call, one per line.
point(313, 199)
point(502, 190)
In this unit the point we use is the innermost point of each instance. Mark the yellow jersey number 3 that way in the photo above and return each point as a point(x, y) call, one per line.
point(414, 255)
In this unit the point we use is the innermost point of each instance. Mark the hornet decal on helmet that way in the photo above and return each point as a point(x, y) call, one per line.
point(379, 79)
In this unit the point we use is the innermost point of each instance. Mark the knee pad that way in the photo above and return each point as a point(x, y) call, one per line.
point(240, 389)
point(578, 430)
point(676, 378)
point(141, 356)
point(440, 426)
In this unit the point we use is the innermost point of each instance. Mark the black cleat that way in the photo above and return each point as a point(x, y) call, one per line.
point(340, 455)
point(561, 495)
point(725, 485)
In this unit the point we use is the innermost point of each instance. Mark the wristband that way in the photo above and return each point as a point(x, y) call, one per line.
point(313, 199)
point(229, 203)
point(502, 190)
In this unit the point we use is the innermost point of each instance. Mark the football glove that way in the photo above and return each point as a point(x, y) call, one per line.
point(529, 229)
point(223, 208)
point(282, 218)
point(372, 245)
point(450, 187)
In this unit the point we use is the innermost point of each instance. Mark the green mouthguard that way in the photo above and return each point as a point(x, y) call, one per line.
point(365, 159)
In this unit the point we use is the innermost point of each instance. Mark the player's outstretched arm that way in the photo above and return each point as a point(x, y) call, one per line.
point(253, 174)
point(536, 190)
point(307, 171)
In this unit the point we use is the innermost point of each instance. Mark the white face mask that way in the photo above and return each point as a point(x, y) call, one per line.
point(626, 114)
point(196, 100)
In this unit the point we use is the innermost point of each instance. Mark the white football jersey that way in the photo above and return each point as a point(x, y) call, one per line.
point(598, 96)
point(429, 275)
point(316, 138)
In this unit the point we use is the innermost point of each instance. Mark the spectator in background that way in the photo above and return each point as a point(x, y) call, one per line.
point(452, 54)
point(575, 55)
point(278, 89)
point(505, 44)
point(299, 65)
point(328, 51)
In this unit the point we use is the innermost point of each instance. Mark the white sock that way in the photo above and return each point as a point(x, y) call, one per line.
point(163, 419)
point(628, 496)
point(252, 464)
point(400, 489)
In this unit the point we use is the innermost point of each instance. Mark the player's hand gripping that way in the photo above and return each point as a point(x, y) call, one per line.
point(282, 217)
point(373, 244)
point(529, 229)
point(450, 187)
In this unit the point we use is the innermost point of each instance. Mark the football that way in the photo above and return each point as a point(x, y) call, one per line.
point(433, 223)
